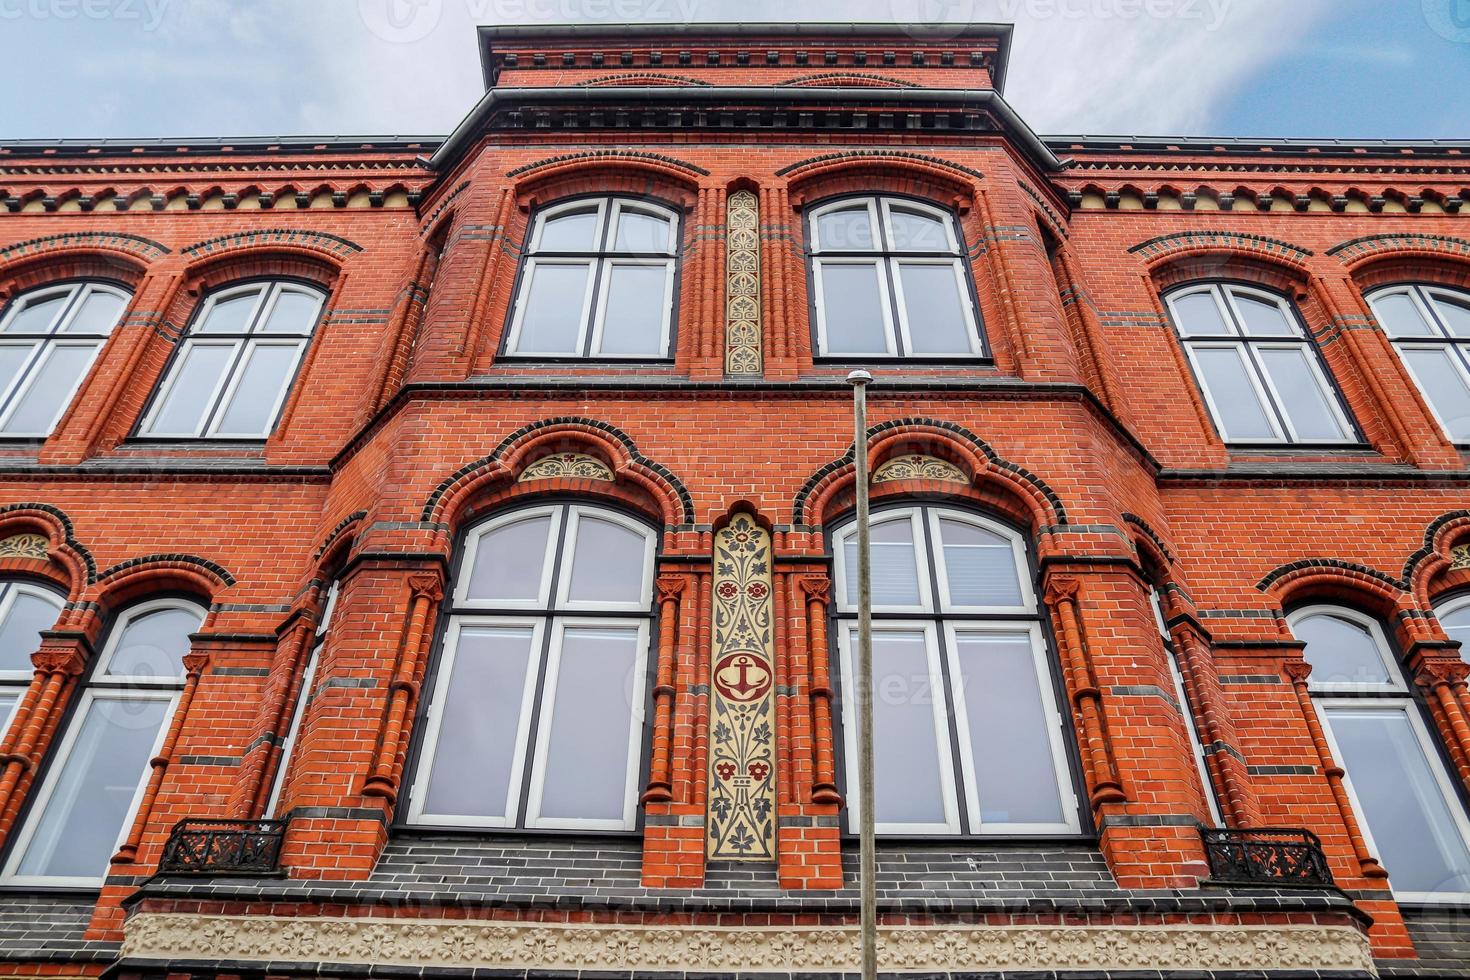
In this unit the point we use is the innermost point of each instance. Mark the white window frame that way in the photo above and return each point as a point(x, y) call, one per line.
point(1454, 605)
point(916, 531)
point(599, 322)
point(472, 544)
point(886, 306)
point(1440, 339)
point(1186, 710)
point(564, 600)
point(967, 305)
point(102, 674)
point(1395, 685)
point(941, 565)
point(8, 590)
point(303, 700)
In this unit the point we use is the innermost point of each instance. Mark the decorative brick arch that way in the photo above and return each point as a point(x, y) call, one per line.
point(603, 159)
point(905, 172)
point(136, 577)
point(69, 564)
point(642, 78)
point(1336, 580)
point(1431, 570)
point(1155, 251)
point(348, 523)
point(333, 247)
point(846, 79)
point(1360, 250)
point(630, 468)
point(1146, 539)
point(144, 250)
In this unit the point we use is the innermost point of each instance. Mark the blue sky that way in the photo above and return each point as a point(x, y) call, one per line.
point(1319, 68)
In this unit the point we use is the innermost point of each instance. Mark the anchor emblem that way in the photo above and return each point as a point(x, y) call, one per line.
point(742, 677)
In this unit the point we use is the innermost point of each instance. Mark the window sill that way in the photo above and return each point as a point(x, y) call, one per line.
point(518, 833)
point(1325, 449)
point(970, 841)
point(956, 360)
point(145, 442)
point(524, 360)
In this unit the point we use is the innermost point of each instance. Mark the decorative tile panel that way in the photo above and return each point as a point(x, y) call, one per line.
point(1459, 557)
point(567, 466)
point(742, 755)
point(25, 546)
point(917, 467)
point(742, 285)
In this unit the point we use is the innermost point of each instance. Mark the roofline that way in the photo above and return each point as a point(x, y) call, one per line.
point(217, 145)
point(464, 135)
point(1330, 146)
point(806, 29)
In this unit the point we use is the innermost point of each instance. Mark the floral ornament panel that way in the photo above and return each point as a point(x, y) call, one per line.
point(1459, 557)
point(568, 466)
point(742, 285)
point(918, 468)
point(25, 546)
point(742, 757)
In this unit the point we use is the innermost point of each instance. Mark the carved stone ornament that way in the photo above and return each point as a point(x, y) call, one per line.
point(901, 949)
point(567, 466)
point(1459, 556)
point(918, 467)
point(742, 285)
point(25, 546)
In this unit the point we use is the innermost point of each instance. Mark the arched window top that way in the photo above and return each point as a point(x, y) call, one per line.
point(74, 309)
point(1454, 618)
point(266, 308)
point(25, 610)
point(149, 641)
point(885, 224)
point(1347, 650)
point(606, 225)
point(1213, 309)
point(1430, 329)
point(1414, 311)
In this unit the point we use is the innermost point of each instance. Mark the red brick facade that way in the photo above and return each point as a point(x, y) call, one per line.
point(1084, 428)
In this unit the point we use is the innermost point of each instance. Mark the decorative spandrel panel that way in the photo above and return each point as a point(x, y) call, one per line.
point(742, 757)
point(743, 285)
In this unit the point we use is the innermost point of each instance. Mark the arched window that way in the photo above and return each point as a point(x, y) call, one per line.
point(536, 713)
point(598, 281)
point(889, 278)
point(1454, 616)
point(97, 769)
point(25, 610)
point(303, 700)
point(1430, 328)
point(1187, 709)
point(1259, 372)
point(1412, 814)
point(230, 376)
point(967, 733)
point(49, 338)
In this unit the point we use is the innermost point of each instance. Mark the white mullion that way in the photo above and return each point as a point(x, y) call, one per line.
point(221, 404)
point(24, 384)
point(1252, 376)
point(1459, 362)
point(881, 274)
point(471, 551)
point(569, 557)
point(11, 395)
point(895, 264)
point(1394, 685)
point(593, 266)
point(1314, 368)
point(599, 319)
point(175, 374)
point(941, 563)
point(70, 308)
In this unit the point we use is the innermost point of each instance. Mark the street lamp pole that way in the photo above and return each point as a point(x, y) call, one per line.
point(868, 859)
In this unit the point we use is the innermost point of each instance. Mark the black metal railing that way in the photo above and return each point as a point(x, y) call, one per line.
point(1265, 856)
point(223, 847)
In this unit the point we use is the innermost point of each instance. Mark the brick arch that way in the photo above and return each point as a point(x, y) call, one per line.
point(214, 272)
point(140, 249)
point(69, 264)
point(1357, 251)
point(1148, 542)
point(135, 578)
point(615, 161)
point(660, 488)
point(1335, 580)
point(1001, 484)
point(334, 248)
point(858, 79)
point(1428, 572)
point(1392, 268)
point(70, 565)
point(336, 534)
point(1273, 251)
point(642, 78)
point(897, 171)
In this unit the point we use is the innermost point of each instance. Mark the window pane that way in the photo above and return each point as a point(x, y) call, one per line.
point(934, 309)
point(570, 233)
point(1455, 313)
point(479, 720)
point(552, 319)
point(607, 563)
point(155, 643)
point(252, 408)
point(639, 232)
point(848, 230)
point(1411, 822)
point(20, 632)
point(230, 315)
point(97, 314)
point(1457, 626)
point(55, 380)
point(895, 567)
point(1341, 651)
point(35, 315)
point(1398, 315)
point(1238, 408)
point(585, 769)
point(509, 562)
point(1263, 318)
point(908, 781)
point(1443, 386)
point(852, 309)
point(12, 359)
point(8, 700)
point(1307, 404)
point(917, 232)
point(980, 566)
point(1009, 731)
point(78, 830)
point(1198, 313)
point(195, 378)
point(293, 312)
point(633, 317)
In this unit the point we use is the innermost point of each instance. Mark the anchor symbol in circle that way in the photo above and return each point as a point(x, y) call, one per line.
point(742, 677)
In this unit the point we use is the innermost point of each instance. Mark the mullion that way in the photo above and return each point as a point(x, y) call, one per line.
point(268, 295)
point(548, 617)
point(1227, 302)
point(951, 724)
point(43, 343)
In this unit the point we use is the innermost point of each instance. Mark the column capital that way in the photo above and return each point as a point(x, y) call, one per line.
point(1062, 589)
point(427, 584)
point(1442, 673)
point(818, 588)
point(1297, 670)
point(670, 587)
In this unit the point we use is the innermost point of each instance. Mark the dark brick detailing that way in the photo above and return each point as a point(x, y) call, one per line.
point(318, 241)
point(1442, 940)
point(881, 155)
point(640, 78)
point(1148, 532)
point(441, 206)
point(1359, 248)
point(43, 927)
point(846, 78)
point(337, 532)
point(610, 156)
point(66, 529)
point(1353, 568)
point(1430, 533)
point(136, 245)
point(1164, 245)
point(218, 572)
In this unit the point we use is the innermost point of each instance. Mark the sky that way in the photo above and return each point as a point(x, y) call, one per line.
point(1396, 69)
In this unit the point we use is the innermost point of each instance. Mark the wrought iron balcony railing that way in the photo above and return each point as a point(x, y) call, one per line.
point(1265, 856)
point(223, 847)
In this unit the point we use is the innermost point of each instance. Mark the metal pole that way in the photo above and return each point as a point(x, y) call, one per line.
point(868, 857)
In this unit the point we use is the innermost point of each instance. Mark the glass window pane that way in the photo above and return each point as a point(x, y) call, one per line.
point(78, 830)
point(9, 698)
point(1198, 313)
point(195, 377)
point(980, 566)
point(640, 232)
point(12, 358)
point(231, 315)
point(847, 230)
point(480, 717)
point(607, 563)
point(1411, 822)
point(51, 390)
point(1443, 386)
point(293, 312)
point(98, 313)
point(852, 309)
point(154, 644)
point(633, 317)
point(895, 565)
point(584, 771)
point(510, 561)
point(252, 409)
point(1238, 408)
point(1307, 405)
point(1341, 651)
point(575, 232)
point(1009, 731)
point(908, 780)
point(917, 232)
point(1457, 626)
point(1264, 318)
point(1455, 313)
point(1400, 317)
point(551, 322)
point(36, 313)
point(20, 632)
point(934, 310)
